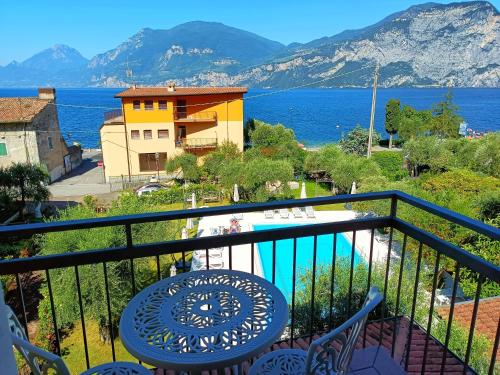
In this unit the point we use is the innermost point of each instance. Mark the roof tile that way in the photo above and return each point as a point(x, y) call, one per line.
point(179, 91)
point(20, 109)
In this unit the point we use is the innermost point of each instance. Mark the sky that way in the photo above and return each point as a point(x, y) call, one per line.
point(96, 26)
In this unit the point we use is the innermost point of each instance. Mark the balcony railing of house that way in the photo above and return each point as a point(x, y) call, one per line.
point(111, 115)
point(198, 143)
point(412, 338)
point(200, 116)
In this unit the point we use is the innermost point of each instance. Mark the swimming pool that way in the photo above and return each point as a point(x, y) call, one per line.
point(284, 256)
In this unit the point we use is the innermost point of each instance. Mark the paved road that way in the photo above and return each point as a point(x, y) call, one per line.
point(87, 179)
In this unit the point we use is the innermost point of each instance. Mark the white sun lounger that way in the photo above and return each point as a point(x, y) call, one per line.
point(297, 213)
point(310, 212)
point(238, 216)
point(269, 214)
point(284, 213)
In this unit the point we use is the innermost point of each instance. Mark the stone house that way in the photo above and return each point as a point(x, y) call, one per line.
point(30, 133)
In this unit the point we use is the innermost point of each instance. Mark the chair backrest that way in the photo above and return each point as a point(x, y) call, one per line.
point(39, 360)
point(325, 358)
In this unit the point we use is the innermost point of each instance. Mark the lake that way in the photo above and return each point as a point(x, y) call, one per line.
point(317, 116)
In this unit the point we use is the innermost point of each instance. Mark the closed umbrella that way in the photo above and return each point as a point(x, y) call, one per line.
point(173, 270)
point(303, 194)
point(353, 187)
point(189, 223)
point(193, 200)
point(236, 194)
point(184, 233)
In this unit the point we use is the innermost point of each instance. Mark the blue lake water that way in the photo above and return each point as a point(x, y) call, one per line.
point(305, 252)
point(317, 116)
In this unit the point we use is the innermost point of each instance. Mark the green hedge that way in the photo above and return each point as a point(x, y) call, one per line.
point(178, 194)
point(391, 164)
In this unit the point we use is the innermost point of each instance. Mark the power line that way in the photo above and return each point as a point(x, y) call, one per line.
point(256, 96)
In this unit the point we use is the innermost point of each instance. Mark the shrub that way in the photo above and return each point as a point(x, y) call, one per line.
point(391, 164)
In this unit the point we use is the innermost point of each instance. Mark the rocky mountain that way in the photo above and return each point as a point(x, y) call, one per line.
point(59, 65)
point(153, 56)
point(431, 44)
point(426, 45)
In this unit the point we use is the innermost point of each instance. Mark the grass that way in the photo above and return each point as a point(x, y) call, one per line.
point(314, 189)
point(73, 350)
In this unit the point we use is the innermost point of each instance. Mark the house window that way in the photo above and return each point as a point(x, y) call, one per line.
point(137, 105)
point(135, 134)
point(163, 133)
point(162, 104)
point(148, 134)
point(3, 149)
point(149, 162)
point(148, 105)
point(51, 146)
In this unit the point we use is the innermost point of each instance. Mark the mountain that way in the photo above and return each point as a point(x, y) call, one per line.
point(155, 56)
point(59, 65)
point(425, 45)
point(431, 44)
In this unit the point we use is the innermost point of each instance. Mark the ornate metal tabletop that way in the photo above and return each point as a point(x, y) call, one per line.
point(203, 320)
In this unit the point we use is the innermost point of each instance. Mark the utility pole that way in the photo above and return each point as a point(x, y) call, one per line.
point(372, 116)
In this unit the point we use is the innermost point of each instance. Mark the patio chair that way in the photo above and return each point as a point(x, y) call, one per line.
point(297, 213)
point(284, 213)
point(332, 353)
point(41, 361)
point(269, 214)
point(310, 212)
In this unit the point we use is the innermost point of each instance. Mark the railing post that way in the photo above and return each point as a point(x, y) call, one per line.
point(6, 349)
point(394, 206)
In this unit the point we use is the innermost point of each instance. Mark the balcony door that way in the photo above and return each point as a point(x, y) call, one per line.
point(181, 109)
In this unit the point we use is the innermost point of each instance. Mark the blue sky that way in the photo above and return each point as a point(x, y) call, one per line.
point(95, 26)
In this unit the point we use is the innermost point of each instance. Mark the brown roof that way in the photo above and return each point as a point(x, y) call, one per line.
point(488, 314)
point(179, 91)
point(20, 109)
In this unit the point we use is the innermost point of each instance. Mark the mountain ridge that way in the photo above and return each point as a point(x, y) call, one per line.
point(464, 35)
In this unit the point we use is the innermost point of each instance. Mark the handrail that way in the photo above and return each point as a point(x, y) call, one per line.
point(195, 116)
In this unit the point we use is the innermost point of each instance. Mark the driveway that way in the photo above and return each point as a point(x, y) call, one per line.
point(87, 179)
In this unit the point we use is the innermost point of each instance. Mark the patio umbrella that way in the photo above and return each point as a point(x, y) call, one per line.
point(236, 194)
point(173, 270)
point(193, 200)
point(189, 223)
point(303, 194)
point(353, 187)
point(184, 233)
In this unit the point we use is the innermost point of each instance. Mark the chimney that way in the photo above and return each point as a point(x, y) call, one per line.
point(47, 93)
point(171, 86)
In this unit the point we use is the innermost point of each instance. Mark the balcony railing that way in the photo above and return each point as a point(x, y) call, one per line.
point(201, 116)
point(397, 325)
point(113, 115)
point(197, 143)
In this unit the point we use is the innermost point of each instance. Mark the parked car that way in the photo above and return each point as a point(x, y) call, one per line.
point(148, 189)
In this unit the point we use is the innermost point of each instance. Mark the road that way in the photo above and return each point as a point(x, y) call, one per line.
point(87, 179)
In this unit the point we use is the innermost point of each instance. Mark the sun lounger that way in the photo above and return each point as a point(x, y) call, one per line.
point(238, 216)
point(310, 212)
point(284, 213)
point(269, 214)
point(297, 213)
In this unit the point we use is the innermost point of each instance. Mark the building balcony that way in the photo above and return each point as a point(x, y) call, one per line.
point(197, 143)
point(201, 116)
point(417, 323)
point(113, 117)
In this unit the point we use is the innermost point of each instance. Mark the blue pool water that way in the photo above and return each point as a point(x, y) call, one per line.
point(305, 245)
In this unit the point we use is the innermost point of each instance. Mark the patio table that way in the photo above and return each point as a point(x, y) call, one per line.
point(203, 320)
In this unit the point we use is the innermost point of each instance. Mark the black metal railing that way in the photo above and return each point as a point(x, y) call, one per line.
point(398, 306)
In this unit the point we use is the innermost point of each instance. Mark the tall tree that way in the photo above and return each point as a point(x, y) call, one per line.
point(187, 164)
point(446, 121)
point(23, 181)
point(356, 141)
point(392, 118)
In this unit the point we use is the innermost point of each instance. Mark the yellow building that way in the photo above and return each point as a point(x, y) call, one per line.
point(158, 123)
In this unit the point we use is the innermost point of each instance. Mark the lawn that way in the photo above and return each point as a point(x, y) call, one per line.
point(314, 189)
point(73, 350)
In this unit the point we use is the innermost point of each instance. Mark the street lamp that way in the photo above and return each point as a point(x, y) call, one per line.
point(339, 126)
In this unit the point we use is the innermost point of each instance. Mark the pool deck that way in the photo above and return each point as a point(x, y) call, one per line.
point(241, 254)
